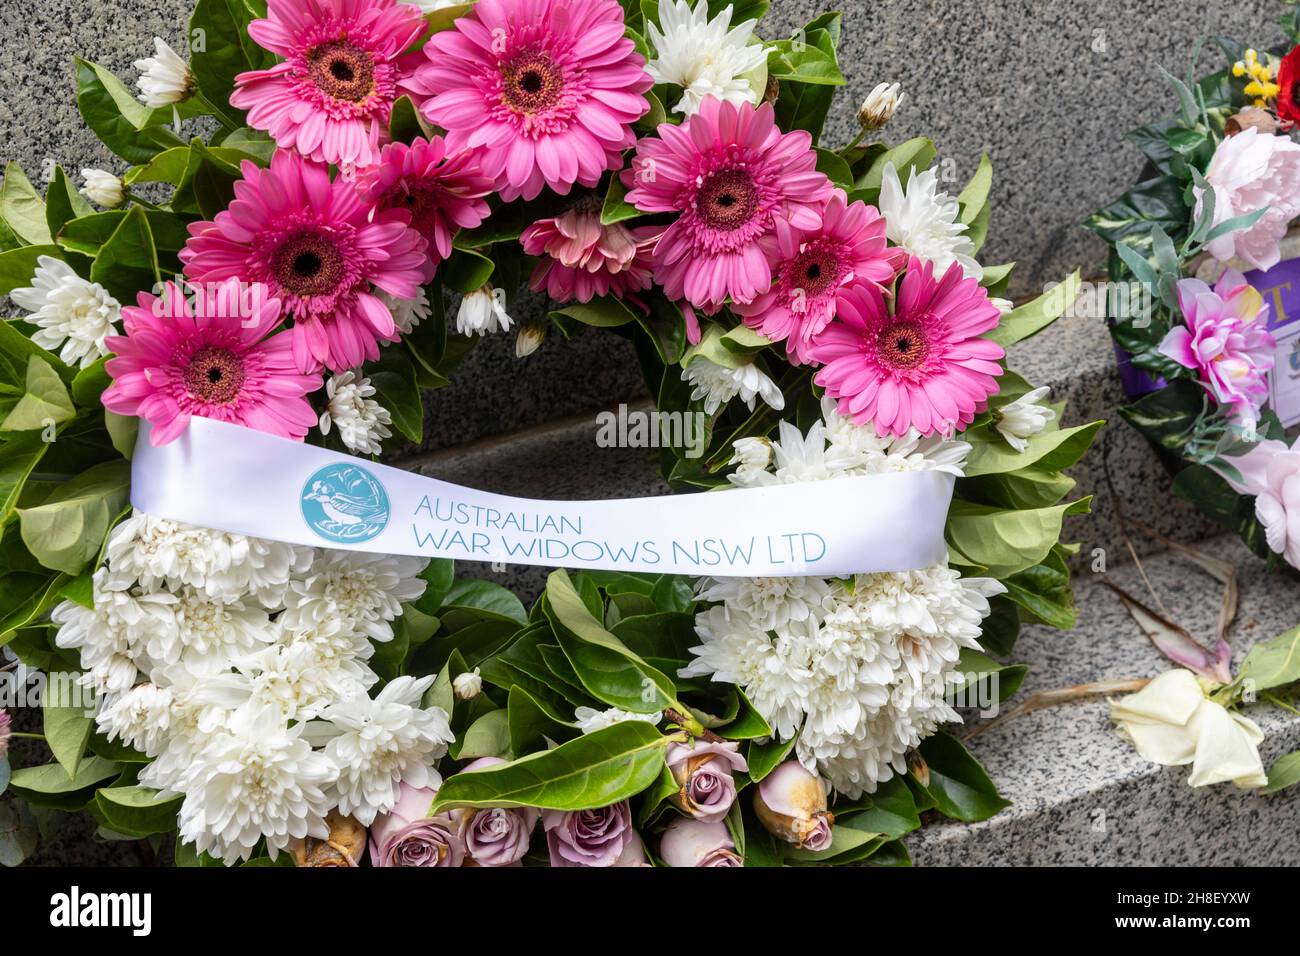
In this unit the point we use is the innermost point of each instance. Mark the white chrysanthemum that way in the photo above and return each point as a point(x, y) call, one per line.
point(72, 315)
point(706, 57)
point(111, 638)
point(796, 457)
point(362, 591)
point(407, 313)
point(772, 603)
point(299, 680)
point(362, 422)
point(165, 78)
point(200, 708)
point(924, 221)
point(775, 674)
point(378, 744)
point(1024, 418)
point(752, 458)
point(482, 312)
point(717, 385)
point(140, 718)
point(590, 720)
point(208, 633)
point(257, 778)
point(102, 188)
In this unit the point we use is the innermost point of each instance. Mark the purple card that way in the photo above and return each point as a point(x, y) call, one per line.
point(1280, 287)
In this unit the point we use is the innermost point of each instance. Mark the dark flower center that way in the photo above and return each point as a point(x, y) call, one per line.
point(815, 271)
point(728, 199)
point(902, 344)
point(531, 83)
point(308, 264)
point(341, 70)
point(214, 375)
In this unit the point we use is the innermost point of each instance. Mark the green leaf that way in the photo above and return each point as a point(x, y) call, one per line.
point(467, 271)
point(128, 261)
point(605, 312)
point(489, 736)
point(1007, 541)
point(67, 725)
point(590, 771)
point(438, 576)
point(608, 669)
point(63, 202)
point(45, 401)
point(393, 377)
point(18, 832)
point(1274, 662)
point(88, 234)
point(50, 785)
point(974, 198)
point(531, 721)
point(68, 528)
point(18, 266)
point(22, 208)
point(1053, 450)
point(979, 680)
point(1284, 773)
point(1032, 317)
point(960, 787)
point(124, 124)
point(486, 600)
point(227, 51)
point(892, 812)
point(763, 758)
point(615, 208)
point(1167, 416)
point(138, 811)
point(914, 154)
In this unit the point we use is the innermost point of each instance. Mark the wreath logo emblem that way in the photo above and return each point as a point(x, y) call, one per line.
point(345, 504)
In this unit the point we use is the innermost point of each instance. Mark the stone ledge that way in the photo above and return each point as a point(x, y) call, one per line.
point(1080, 794)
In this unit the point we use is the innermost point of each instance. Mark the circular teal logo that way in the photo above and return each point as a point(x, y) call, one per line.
point(345, 503)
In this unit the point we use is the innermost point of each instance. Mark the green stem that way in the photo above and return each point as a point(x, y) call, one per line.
point(27, 736)
point(141, 202)
point(1280, 703)
point(862, 134)
point(224, 118)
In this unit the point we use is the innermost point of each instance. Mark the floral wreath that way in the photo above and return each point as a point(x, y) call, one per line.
point(653, 169)
point(1194, 251)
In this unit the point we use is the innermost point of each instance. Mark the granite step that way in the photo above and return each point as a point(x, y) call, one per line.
point(1080, 794)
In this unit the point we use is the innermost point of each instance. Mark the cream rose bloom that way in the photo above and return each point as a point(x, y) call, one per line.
point(1173, 723)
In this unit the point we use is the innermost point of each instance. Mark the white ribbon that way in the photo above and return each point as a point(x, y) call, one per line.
point(235, 479)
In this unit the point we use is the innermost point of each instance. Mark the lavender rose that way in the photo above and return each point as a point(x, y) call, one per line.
point(704, 771)
point(588, 837)
point(497, 836)
point(791, 803)
point(688, 842)
point(407, 836)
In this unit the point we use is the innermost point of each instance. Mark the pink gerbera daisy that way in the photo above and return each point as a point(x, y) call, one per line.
point(211, 357)
point(318, 247)
point(924, 365)
point(582, 259)
point(332, 96)
point(817, 268)
point(545, 91)
point(740, 185)
point(442, 193)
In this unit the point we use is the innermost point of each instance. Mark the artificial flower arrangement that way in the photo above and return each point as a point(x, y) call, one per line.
point(1199, 305)
point(655, 170)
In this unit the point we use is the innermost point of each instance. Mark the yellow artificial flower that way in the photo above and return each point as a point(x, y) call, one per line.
point(1262, 86)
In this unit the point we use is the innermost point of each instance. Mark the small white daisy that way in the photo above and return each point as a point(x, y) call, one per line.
point(361, 421)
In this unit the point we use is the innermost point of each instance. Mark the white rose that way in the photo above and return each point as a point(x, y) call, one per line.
point(1173, 723)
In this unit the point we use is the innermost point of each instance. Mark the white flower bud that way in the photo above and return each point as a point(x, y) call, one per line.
point(165, 78)
point(482, 312)
point(529, 338)
point(467, 686)
point(879, 106)
point(102, 188)
point(1023, 419)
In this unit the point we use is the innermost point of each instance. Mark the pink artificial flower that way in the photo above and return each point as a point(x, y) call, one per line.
point(318, 247)
point(815, 270)
point(1251, 170)
point(545, 92)
point(211, 357)
point(1225, 341)
point(332, 96)
point(921, 366)
point(740, 187)
point(1270, 472)
point(442, 192)
point(582, 259)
